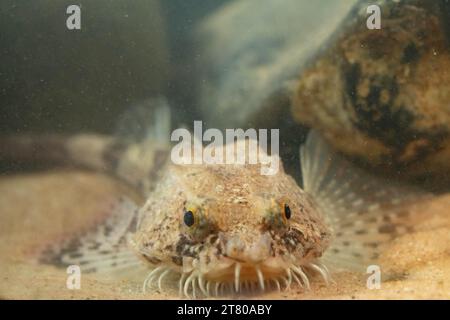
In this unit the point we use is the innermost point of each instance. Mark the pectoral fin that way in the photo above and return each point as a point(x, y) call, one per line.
point(104, 247)
point(364, 211)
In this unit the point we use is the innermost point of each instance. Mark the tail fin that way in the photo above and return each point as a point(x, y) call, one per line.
point(93, 151)
point(135, 156)
point(364, 211)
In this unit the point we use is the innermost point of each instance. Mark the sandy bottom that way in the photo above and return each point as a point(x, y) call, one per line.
point(36, 209)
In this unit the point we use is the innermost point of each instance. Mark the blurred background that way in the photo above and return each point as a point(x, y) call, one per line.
point(55, 79)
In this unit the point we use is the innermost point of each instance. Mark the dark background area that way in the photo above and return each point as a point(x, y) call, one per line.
point(57, 80)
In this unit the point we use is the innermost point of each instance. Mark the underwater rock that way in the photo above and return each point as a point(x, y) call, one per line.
point(383, 96)
point(249, 51)
point(249, 54)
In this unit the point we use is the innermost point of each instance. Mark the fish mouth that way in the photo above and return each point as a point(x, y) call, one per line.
point(241, 278)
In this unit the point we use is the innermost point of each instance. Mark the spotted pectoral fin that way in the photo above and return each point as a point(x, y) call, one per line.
point(103, 248)
point(365, 212)
point(360, 237)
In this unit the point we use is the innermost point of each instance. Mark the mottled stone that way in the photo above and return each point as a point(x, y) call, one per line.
point(249, 54)
point(383, 96)
point(250, 50)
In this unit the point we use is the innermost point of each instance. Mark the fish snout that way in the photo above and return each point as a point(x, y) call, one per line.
point(259, 249)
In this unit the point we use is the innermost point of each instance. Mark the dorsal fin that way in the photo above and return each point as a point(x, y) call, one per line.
point(149, 120)
point(146, 128)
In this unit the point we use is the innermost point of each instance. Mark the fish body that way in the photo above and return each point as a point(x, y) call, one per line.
point(228, 224)
point(227, 228)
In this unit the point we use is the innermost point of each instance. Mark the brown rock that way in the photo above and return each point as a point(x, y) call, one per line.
point(382, 96)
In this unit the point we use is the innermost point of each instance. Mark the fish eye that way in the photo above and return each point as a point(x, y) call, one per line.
point(189, 218)
point(287, 211)
point(277, 215)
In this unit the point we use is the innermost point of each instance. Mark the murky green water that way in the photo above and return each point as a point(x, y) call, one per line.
point(372, 80)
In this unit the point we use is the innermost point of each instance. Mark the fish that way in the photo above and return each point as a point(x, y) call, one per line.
point(218, 229)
